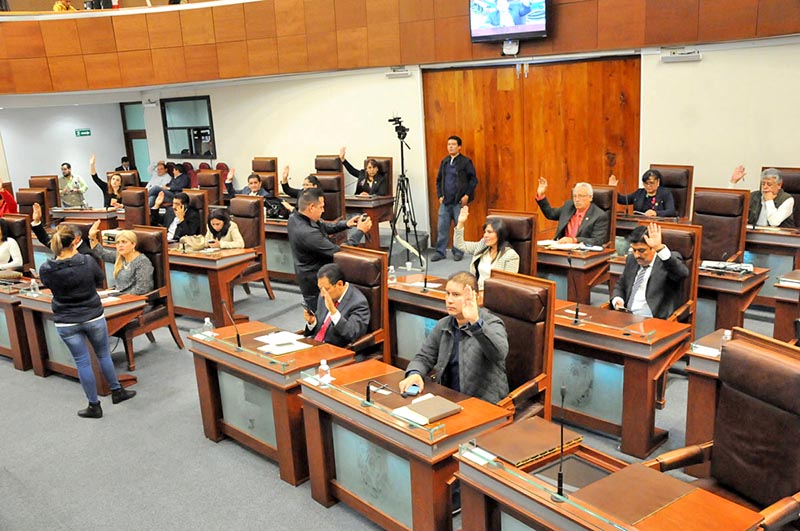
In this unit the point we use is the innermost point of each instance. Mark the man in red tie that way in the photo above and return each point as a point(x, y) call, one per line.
point(579, 220)
point(342, 313)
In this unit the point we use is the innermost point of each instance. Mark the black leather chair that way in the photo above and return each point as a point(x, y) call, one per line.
point(248, 213)
point(49, 183)
point(606, 198)
point(267, 169)
point(199, 200)
point(678, 180)
point(723, 215)
point(211, 181)
point(27, 197)
point(521, 233)
point(137, 208)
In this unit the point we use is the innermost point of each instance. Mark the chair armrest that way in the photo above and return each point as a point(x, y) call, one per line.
point(685, 309)
point(781, 513)
point(606, 305)
point(735, 257)
point(686, 456)
point(522, 393)
point(367, 340)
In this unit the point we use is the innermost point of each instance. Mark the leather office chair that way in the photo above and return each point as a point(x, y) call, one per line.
point(27, 197)
point(137, 207)
point(521, 233)
point(129, 178)
point(49, 183)
point(366, 271)
point(19, 228)
point(791, 185)
point(204, 166)
point(386, 167)
point(9, 186)
point(755, 458)
point(678, 180)
point(190, 171)
point(248, 213)
point(159, 312)
point(606, 198)
point(223, 170)
point(333, 189)
point(327, 164)
point(723, 215)
point(267, 169)
point(199, 200)
point(526, 306)
point(211, 181)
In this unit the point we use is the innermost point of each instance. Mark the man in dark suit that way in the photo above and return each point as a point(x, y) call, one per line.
point(180, 220)
point(651, 283)
point(579, 220)
point(254, 186)
point(342, 313)
point(125, 166)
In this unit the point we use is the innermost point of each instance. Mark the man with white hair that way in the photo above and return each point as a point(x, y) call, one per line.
point(579, 220)
point(770, 206)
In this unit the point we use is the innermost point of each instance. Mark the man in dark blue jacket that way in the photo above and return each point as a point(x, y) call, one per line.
point(455, 187)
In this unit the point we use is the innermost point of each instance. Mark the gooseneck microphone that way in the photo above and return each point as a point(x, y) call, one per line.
point(559, 498)
point(235, 328)
point(425, 280)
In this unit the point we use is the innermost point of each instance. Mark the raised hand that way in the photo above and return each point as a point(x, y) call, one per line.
point(342, 151)
point(329, 303)
point(738, 174)
point(231, 173)
point(36, 215)
point(285, 175)
point(653, 237)
point(462, 216)
point(612, 180)
point(470, 308)
point(92, 160)
point(542, 188)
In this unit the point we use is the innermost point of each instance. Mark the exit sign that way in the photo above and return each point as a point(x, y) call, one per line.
point(83, 132)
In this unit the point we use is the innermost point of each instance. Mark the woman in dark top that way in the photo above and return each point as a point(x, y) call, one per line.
point(371, 181)
point(112, 190)
point(651, 200)
point(78, 314)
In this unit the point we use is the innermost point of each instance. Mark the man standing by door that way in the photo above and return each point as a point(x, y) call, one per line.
point(455, 187)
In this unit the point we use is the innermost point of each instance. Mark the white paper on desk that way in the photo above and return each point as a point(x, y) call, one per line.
point(284, 348)
point(584, 247)
point(705, 351)
point(107, 292)
point(279, 337)
point(560, 246)
point(107, 300)
point(379, 390)
point(422, 285)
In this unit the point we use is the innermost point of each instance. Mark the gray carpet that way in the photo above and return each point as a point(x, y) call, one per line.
point(147, 464)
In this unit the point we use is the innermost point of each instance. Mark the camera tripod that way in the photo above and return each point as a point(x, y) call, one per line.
point(404, 203)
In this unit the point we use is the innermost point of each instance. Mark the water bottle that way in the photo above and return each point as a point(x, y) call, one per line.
point(208, 327)
point(34, 288)
point(324, 372)
point(392, 276)
point(726, 336)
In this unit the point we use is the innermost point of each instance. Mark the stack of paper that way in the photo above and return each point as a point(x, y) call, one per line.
point(282, 342)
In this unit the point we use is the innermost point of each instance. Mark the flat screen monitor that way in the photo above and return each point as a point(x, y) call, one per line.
point(500, 20)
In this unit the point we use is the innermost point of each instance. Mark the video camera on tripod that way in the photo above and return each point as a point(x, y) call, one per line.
point(399, 128)
point(403, 202)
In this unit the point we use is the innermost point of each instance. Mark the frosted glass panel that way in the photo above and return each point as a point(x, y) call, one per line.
point(778, 265)
point(56, 348)
point(247, 407)
point(509, 523)
point(5, 337)
point(190, 290)
point(187, 113)
point(134, 117)
point(374, 474)
point(562, 290)
point(279, 256)
point(109, 273)
point(178, 141)
point(594, 387)
point(706, 317)
point(411, 333)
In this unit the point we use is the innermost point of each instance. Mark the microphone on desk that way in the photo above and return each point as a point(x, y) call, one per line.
point(425, 280)
point(559, 498)
point(576, 319)
point(235, 328)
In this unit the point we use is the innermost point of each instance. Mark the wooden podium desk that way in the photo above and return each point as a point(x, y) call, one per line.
point(574, 282)
point(775, 249)
point(723, 298)
point(253, 397)
point(200, 281)
point(390, 471)
point(787, 306)
point(50, 354)
point(13, 339)
point(378, 208)
point(413, 314)
point(609, 362)
point(107, 216)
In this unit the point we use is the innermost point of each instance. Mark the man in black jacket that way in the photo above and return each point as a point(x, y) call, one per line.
point(342, 313)
point(455, 187)
point(126, 165)
point(180, 220)
point(308, 236)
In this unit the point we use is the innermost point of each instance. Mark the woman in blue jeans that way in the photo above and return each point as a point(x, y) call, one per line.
point(78, 314)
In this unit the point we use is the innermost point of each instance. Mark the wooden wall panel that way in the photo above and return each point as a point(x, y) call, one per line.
point(96, 35)
point(31, 75)
point(620, 23)
point(3, 50)
point(197, 27)
point(102, 70)
point(324, 18)
point(577, 27)
point(350, 14)
point(68, 73)
point(164, 29)
point(259, 19)
point(291, 14)
point(351, 47)
point(778, 17)
point(322, 51)
point(383, 12)
point(6, 76)
point(414, 10)
point(229, 23)
point(383, 44)
point(60, 37)
point(136, 67)
point(727, 19)
point(23, 40)
point(417, 44)
point(262, 56)
point(450, 42)
point(169, 65)
point(450, 8)
point(232, 59)
point(201, 62)
point(130, 33)
point(292, 53)
point(673, 22)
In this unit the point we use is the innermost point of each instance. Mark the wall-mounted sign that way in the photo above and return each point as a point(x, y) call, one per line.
point(83, 132)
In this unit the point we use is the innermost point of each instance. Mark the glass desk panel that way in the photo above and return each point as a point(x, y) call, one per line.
point(57, 350)
point(509, 523)
point(247, 407)
point(562, 289)
point(778, 264)
point(191, 290)
point(374, 474)
point(411, 332)
point(594, 387)
point(705, 323)
point(40, 257)
point(279, 256)
point(5, 336)
point(109, 273)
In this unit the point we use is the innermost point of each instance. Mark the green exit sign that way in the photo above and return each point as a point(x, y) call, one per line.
point(83, 132)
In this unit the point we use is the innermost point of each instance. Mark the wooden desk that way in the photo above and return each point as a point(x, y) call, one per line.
point(255, 399)
point(108, 217)
point(378, 208)
point(787, 307)
point(723, 298)
point(609, 363)
point(413, 314)
point(13, 339)
point(574, 282)
point(775, 249)
point(392, 473)
point(50, 354)
point(201, 281)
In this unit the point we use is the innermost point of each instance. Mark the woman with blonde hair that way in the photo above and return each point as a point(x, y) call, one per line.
point(133, 272)
point(78, 314)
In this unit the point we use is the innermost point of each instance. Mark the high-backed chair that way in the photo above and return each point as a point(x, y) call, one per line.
point(159, 312)
point(211, 181)
point(521, 233)
point(791, 185)
point(526, 306)
point(723, 215)
point(199, 200)
point(9, 186)
point(366, 271)
point(27, 197)
point(137, 207)
point(267, 169)
point(333, 189)
point(204, 166)
point(327, 164)
point(49, 183)
point(248, 213)
point(19, 228)
point(678, 180)
point(190, 171)
point(223, 170)
point(755, 458)
point(386, 167)
point(129, 178)
point(606, 198)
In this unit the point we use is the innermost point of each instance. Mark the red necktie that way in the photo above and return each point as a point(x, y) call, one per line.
point(324, 328)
